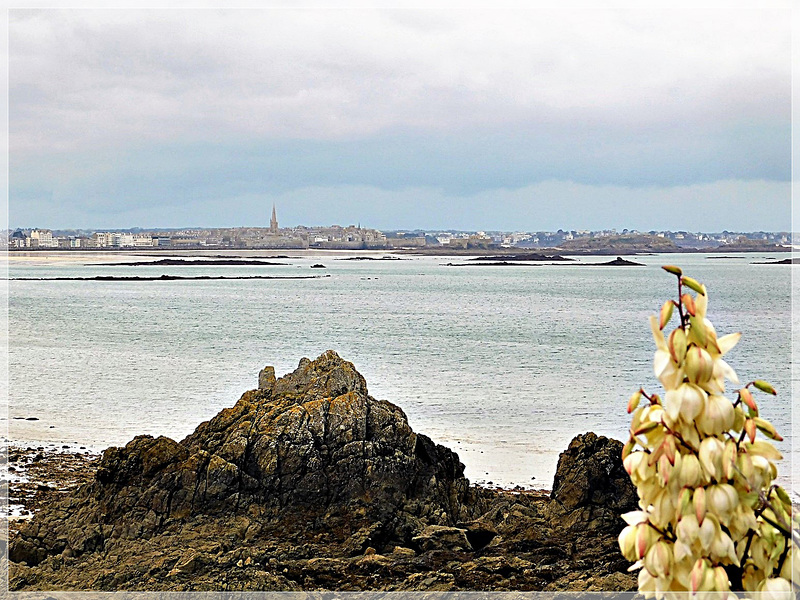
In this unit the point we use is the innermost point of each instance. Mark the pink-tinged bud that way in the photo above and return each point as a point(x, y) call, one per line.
point(699, 365)
point(688, 302)
point(765, 387)
point(747, 398)
point(633, 401)
point(698, 574)
point(666, 314)
point(677, 345)
point(750, 429)
point(642, 539)
point(646, 427)
point(669, 448)
point(699, 500)
point(767, 428)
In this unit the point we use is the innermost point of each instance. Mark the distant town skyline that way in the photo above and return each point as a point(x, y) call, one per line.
point(506, 120)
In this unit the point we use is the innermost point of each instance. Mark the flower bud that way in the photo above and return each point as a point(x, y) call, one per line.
point(691, 474)
point(627, 543)
point(677, 345)
point(633, 402)
point(699, 501)
point(699, 365)
point(750, 429)
point(672, 269)
point(688, 302)
point(694, 285)
point(728, 462)
point(666, 314)
point(747, 398)
point(775, 588)
point(698, 332)
point(722, 499)
point(721, 583)
point(699, 574)
point(767, 428)
point(658, 560)
point(765, 387)
point(710, 456)
point(717, 417)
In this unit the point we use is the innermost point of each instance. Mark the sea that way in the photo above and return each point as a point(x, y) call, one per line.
point(503, 364)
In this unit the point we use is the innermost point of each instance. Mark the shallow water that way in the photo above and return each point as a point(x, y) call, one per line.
point(503, 364)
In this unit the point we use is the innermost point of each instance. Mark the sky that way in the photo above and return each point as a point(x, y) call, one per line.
point(468, 119)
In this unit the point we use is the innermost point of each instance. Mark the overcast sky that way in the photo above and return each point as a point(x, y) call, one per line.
point(467, 119)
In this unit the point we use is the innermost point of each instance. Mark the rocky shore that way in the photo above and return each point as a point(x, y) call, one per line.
point(310, 483)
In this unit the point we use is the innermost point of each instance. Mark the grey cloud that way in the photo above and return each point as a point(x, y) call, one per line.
point(82, 78)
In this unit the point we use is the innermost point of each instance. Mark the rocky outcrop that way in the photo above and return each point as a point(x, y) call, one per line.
point(592, 486)
point(312, 445)
point(307, 483)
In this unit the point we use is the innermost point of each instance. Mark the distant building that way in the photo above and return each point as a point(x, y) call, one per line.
point(43, 238)
point(273, 222)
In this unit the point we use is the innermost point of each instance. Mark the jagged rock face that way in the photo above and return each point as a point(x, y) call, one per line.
point(312, 445)
point(591, 484)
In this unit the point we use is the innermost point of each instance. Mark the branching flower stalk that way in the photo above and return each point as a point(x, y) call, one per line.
point(712, 519)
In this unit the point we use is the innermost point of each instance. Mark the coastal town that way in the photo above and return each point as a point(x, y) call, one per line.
point(356, 237)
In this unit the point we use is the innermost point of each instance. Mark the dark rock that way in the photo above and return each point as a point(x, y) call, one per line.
point(312, 446)
point(479, 533)
point(591, 483)
point(309, 483)
point(437, 537)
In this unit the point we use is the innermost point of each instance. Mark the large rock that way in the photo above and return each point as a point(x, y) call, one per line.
point(309, 483)
point(313, 447)
point(591, 484)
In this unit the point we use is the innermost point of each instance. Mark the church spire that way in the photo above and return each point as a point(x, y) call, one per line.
point(273, 222)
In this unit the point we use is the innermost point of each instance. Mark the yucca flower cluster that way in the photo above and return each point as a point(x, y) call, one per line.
point(712, 519)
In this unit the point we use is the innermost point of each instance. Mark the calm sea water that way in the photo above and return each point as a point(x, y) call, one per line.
point(503, 364)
